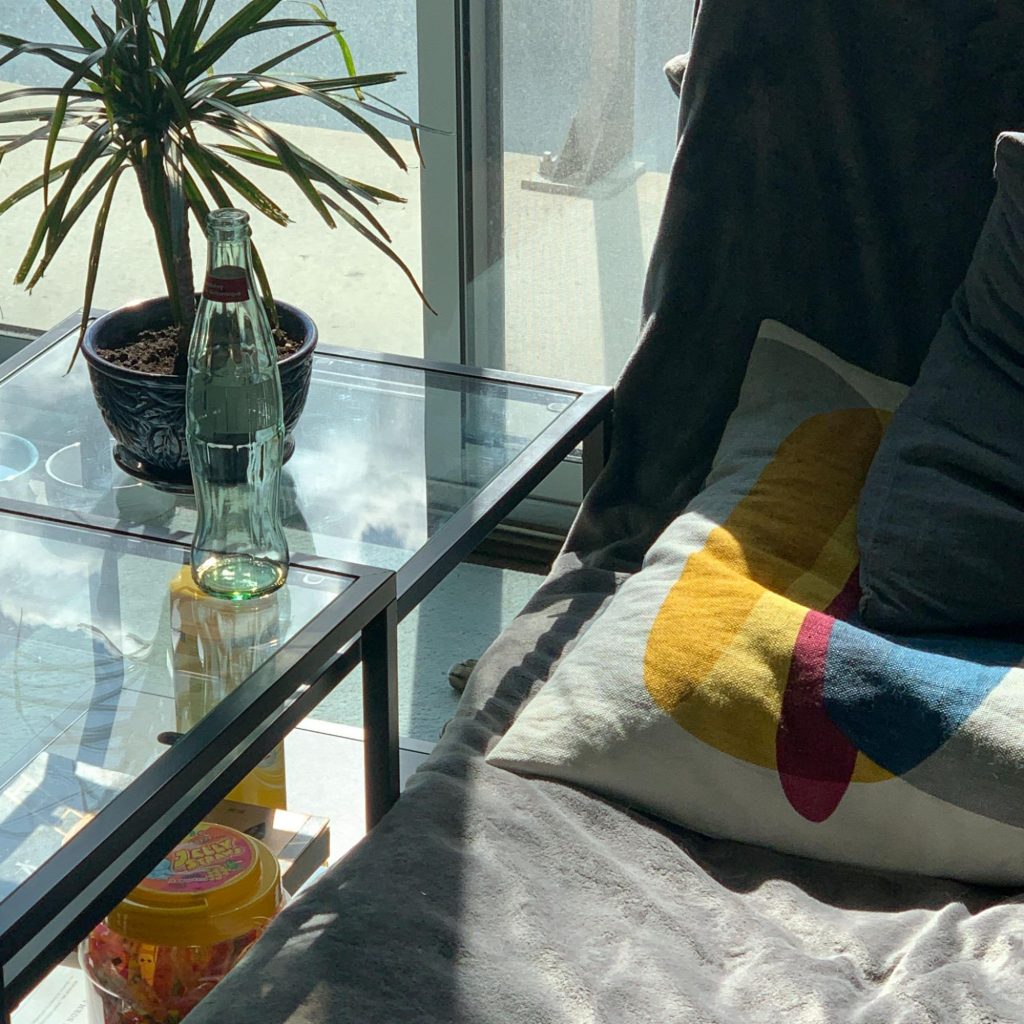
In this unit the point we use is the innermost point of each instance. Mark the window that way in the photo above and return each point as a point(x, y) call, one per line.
point(355, 294)
point(567, 136)
point(533, 263)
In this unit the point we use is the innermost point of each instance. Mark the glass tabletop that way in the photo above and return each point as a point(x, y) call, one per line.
point(386, 453)
point(107, 651)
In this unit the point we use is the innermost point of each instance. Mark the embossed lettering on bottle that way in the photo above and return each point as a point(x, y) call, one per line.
point(226, 284)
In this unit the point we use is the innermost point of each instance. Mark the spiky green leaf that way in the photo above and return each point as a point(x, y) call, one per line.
point(338, 106)
point(339, 37)
point(280, 58)
point(60, 59)
point(73, 25)
point(388, 251)
point(45, 114)
point(264, 94)
point(268, 160)
point(166, 19)
point(13, 142)
point(204, 18)
point(210, 53)
point(93, 149)
point(84, 70)
point(209, 166)
point(182, 37)
point(414, 126)
point(244, 22)
point(284, 151)
point(95, 250)
point(62, 229)
point(6, 39)
point(16, 94)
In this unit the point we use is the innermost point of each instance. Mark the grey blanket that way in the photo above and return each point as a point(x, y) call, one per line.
point(486, 898)
point(833, 171)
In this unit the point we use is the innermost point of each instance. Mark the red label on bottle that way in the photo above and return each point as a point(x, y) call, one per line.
point(227, 284)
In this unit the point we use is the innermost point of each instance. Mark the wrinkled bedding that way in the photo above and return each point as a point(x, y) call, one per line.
point(833, 171)
point(487, 898)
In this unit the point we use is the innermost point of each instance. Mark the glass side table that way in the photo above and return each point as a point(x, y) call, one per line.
point(399, 463)
point(401, 468)
point(107, 652)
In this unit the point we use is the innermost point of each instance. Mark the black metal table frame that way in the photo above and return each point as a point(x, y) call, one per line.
point(43, 922)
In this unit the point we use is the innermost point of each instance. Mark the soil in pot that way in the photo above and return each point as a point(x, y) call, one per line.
point(156, 351)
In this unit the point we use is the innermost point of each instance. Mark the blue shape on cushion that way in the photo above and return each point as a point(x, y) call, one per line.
point(898, 701)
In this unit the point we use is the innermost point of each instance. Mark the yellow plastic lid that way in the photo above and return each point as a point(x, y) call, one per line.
point(216, 884)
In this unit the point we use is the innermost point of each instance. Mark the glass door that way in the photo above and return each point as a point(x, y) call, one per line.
point(541, 206)
point(560, 167)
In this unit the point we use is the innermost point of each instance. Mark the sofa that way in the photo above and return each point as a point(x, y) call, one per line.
point(833, 170)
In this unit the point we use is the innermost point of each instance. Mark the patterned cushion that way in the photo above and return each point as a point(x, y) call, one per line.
point(730, 686)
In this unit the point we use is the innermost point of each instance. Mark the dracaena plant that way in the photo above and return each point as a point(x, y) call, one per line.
point(145, 98)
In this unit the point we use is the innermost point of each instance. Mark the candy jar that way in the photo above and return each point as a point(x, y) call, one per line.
point(161, 950)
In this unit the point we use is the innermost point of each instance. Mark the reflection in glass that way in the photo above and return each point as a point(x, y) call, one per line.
point(385, 455)
point(217, 645)
point(102, 649)
point(588, 126)
point(17, 456)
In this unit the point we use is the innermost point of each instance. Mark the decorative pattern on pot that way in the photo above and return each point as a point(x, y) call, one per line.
point(145, 412)
point(146, 417)
point(295, 378)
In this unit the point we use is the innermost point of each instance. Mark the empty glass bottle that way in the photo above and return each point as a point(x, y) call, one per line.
point(235, 425)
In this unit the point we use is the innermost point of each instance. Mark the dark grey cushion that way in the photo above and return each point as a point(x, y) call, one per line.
point(941, 519)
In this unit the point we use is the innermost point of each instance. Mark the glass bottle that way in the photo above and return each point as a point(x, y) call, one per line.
point(234, 425)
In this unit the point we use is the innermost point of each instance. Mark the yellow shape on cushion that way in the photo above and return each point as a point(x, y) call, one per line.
point(737, 707)
point(718, 655)
point(866, 770)
point(818, 587)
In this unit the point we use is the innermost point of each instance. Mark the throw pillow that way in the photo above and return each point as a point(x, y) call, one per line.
point(942, 513)
point(729, 685)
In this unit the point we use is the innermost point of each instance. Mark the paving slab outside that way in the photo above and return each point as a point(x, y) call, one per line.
point(573, 266)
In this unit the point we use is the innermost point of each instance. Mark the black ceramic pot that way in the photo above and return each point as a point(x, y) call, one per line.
point(146, 411)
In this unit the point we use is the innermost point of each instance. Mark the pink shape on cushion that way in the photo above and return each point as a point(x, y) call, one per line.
point(815, 759)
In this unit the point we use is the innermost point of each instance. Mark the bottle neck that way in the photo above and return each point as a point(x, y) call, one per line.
point(228, 268)
point(229, 250)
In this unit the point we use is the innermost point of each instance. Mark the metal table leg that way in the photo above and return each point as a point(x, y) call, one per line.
point(380, 713)
point(596, 446)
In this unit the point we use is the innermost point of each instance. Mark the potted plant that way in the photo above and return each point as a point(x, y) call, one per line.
point(145, 99)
